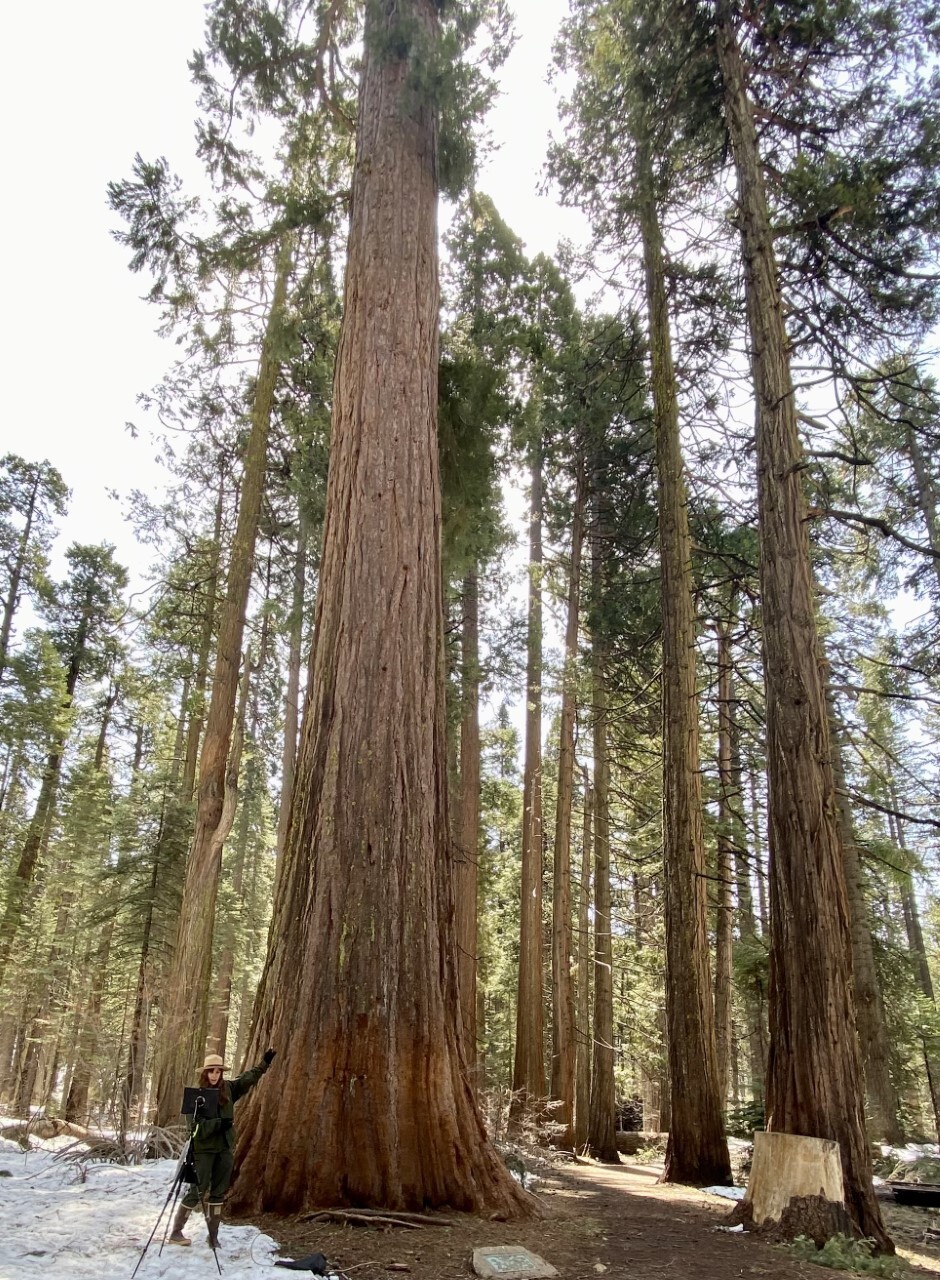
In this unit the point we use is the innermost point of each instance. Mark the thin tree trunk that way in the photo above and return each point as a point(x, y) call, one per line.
point(697, 1151)
point(814, 1072)
point(292, 693)
point(883, 1101)
point(183, 1030)
point(218, 1026)
point(198, 713)
point(528, 1074)
point(582, 1107)
point(564, 1050)
point(726, 869)
point(602, 1142)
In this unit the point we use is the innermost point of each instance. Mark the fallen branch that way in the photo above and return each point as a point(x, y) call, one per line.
point(380, 1217)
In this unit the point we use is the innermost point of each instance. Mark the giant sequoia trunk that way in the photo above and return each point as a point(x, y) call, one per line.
point(185, 1006)
point(814, 1072)
point(368, 1101)
point(696, 1151)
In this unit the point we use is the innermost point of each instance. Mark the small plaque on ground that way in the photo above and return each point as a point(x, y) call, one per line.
point(511, 1262)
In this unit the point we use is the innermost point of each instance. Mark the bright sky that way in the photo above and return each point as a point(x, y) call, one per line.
point(104, 80)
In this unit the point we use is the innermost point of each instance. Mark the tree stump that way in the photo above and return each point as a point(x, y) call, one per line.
point(795, 1188)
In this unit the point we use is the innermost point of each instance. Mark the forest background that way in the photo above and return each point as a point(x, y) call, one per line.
point(113, 699)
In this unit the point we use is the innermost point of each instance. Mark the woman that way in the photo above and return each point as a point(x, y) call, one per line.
point(214, 1146)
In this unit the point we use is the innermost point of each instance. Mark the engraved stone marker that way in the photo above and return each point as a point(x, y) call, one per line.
point(511, 1262)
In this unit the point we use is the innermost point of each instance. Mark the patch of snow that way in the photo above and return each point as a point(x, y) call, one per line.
point(729, 1193)
point(91, 1221)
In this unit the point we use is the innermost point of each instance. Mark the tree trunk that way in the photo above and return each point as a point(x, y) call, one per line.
point(359, 991)
point(528, 1074)
point(814, 1071)
point(198, 714)
point(183, 1029)
point(467, 853)
point(218, 1025)
point(16, 573)
point(696, 1151)
point(292, 693)
point(602, 1142)
point(724, 918)
point(755, 989)
point(918, 950)
point(564, 1052)
point(883, 1101)
point(582, 1107)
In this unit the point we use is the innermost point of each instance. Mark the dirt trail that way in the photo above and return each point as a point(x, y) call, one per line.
point(599, 1220)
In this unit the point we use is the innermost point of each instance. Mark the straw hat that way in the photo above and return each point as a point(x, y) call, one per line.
point(213, 1060)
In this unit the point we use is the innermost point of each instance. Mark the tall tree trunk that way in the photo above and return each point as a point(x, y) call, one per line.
point(218, 1023)
point(602, 1142)
point(750, 938)
point(183, 1029)
point(883, 1101)
point(528, 1073)
point(359, 991)
point(564, 1050)
point(696, 1151)
point(197, 716)
point(292, 693)
point(724, 918)
point(918, 950)
point(467, 853)
point(582, 1107)
point(814, 1073)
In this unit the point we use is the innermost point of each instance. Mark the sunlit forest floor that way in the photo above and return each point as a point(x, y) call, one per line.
point(599, 1220)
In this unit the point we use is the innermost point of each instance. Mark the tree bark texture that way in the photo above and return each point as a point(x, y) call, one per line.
point(468, 816)
point(564, 1050)
point(184, 1015)
point(368, 1102)
point(814, 1071)
point(696, 1151)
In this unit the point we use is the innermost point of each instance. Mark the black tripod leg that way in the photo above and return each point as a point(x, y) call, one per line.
point(174, 1193)
point(205, 1213)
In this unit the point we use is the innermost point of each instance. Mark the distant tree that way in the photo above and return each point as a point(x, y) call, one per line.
point(31, 495)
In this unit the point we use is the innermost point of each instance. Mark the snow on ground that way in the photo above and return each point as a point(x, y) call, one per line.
point(90, 1221)
point(728, 1193)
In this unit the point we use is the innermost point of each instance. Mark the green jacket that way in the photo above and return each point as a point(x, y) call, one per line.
point(209, 1135)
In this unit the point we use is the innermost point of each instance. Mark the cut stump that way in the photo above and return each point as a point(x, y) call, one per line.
point(795, 1188)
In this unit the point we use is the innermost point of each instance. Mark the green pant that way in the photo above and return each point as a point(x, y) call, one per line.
point(214, 1171)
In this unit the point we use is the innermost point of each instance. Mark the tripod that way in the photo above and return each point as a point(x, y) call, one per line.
point(172, 1196)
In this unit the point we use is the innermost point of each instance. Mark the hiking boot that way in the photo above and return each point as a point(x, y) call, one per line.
point(179, 1222)
point(213, 1219)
